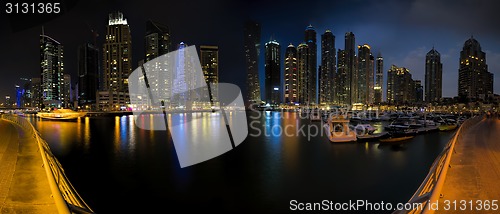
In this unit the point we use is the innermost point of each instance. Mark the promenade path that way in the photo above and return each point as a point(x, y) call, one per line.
point(24, 186)
point(475, 170)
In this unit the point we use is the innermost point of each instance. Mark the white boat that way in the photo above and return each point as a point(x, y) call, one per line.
point(61, 114)
point(338, 130)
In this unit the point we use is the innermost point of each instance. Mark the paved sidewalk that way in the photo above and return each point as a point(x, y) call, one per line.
point(475, 170)
point(24, 187)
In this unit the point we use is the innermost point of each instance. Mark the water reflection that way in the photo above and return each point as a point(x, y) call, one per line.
point(270, 168)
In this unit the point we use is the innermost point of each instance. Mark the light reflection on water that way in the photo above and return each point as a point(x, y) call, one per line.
point(269, 169)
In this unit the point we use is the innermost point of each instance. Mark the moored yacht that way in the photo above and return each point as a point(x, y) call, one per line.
point(338, 130)
point(61, 114)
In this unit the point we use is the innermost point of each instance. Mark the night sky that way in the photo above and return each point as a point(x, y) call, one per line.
point(403, 31)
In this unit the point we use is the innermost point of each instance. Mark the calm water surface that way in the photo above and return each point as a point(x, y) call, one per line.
point(117, 167)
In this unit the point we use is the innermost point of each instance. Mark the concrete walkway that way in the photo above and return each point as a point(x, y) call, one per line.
point(475, 170)
point(24, 187)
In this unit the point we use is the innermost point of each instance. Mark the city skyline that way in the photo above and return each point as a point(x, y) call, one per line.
point(447, 39)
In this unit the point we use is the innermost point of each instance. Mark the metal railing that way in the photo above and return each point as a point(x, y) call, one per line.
point(66, 198)
point(430, 189)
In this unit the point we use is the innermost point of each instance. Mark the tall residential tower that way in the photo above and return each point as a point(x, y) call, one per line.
point(51, 69)
point(252, 52)
point(433, 76)
point(117, 64)
point(474, 80)
point(291, 75)
point(273, 70)
point(328, 68)
point(379, 79)
point(311, 66)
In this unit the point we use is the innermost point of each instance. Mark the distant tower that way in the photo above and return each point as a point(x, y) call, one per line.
point(419, 91)
point(311, 66)
point(379, 79)
point(474, 80)
point(302, 63)
point(400, 86)
point(88, 75)
point(66, 95)
point(209, 56)
point(52, 70)
point(342, 83)
point(328, 68)
point(156, 41)
point(36, 92)
point(252, 52)
point(291, 75)
point(350, 66)
point(117, 63)
point(433, 76)
point(365, 72)
point(273, 70)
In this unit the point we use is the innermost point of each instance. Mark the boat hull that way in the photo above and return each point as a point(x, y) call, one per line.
point(61, 116)
point(395, 139)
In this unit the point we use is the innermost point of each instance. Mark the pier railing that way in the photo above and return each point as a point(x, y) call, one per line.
point(430, 189)
point(66, 198)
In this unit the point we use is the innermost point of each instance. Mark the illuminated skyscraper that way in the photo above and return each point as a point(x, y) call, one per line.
point(66, 95)
point(273, 70)
point(474, 80)
point(379, 79)
point(210, 65)
point(291, 75)
point(433, 76)
point(117, 64)
point(400, 86)
point(157, 43)
point(51, 69)
point(365, 72)
point(311, 66)
point(180, 78)
point(302, 62)
point(328, 68)
point(342, 83)
point(350, 67)
point(252, 52)
point(36, 93)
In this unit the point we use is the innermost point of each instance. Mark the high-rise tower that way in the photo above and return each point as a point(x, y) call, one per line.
point(117, 64)
point(364, 73)
point(350, 69)
point(379, 79)
point(273, 70)
point(291, 75)
point(474, 80)
point(51, 69)
point(252, 52)
point(311, 66)
point(328, 68)
point(433, 76)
